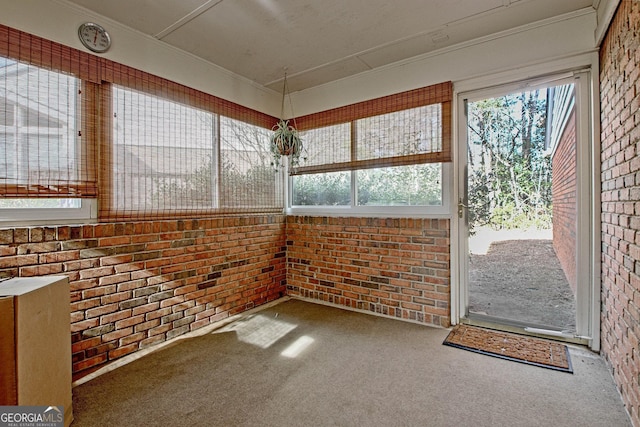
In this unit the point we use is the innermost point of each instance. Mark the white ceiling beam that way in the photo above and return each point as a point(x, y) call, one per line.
point(188, 17)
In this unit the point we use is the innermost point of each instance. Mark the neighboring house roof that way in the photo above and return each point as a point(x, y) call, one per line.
point(144, 160)
point(48, 105)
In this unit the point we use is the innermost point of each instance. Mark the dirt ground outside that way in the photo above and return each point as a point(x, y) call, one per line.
point(516, 275)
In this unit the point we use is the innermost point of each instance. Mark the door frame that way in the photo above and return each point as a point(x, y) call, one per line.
point(587, 191)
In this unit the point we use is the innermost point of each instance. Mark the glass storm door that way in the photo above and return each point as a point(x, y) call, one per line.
point(518, 208)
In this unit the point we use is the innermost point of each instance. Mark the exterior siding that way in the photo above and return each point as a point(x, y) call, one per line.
point(620, 155)
point(564, 201)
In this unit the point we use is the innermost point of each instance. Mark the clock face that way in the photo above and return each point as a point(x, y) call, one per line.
point(94, 37)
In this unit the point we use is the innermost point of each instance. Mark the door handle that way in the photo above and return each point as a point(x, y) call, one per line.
point(461, 208)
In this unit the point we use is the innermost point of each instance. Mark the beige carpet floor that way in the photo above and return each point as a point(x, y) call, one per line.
point(303, 364)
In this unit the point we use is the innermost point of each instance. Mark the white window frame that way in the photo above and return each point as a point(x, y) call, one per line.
point(353, 210)
point(86, 213)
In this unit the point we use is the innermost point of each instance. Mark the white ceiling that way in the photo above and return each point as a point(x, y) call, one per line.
point(319, 41)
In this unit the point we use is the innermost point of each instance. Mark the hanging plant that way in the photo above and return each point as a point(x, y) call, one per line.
point(285, 140)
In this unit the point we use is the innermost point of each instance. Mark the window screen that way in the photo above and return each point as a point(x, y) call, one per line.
point(412, 127)
point(172, 159)
point(42, 151)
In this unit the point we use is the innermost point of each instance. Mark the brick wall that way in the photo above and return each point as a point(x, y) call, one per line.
point(394, 267)
point(620, 139)
point(564, 201)
point(138, 284)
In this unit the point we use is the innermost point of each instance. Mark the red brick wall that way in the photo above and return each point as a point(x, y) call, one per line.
point(141, 283)
point(564, 201)
point(394, 267)
point(620, 139)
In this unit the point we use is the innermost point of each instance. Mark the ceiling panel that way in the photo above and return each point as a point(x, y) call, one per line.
point(466, 29)
point(301, 36)
point(147, 16)
point(321, 75)
point(320, 41)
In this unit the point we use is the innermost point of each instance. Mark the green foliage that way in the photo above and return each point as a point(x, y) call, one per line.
point(328, 189)
point(245, 189)
point(196, 188)
point(237, 188)
point(245, 178)
point(509, 172)
point(285, 141)
point(417, 185)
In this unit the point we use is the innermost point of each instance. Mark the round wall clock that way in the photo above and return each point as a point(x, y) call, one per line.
point(94, 37)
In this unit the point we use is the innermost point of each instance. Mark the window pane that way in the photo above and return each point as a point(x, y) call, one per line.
point(415, 185)
point(327, 189)
point(39, 147)
point(40, 203)
point(406, 132)
point(247, 178)
point(163, 154)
